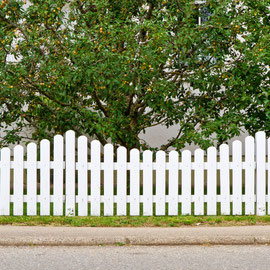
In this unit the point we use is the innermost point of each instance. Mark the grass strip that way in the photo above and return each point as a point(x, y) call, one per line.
point(140, 221)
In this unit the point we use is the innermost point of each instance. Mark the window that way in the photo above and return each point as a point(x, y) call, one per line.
point(203, 12)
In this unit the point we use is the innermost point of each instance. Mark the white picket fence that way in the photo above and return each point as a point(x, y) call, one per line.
point(149, 187)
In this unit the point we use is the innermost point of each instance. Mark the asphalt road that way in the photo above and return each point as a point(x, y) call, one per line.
point(255, 257)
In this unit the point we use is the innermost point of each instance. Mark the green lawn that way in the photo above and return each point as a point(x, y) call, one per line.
point(132, 221)
point(139, 221)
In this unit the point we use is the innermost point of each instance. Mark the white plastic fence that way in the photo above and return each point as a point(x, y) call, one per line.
point(173, 185)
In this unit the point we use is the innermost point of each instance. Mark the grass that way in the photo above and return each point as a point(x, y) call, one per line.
point(132, 221)
point(140, 221)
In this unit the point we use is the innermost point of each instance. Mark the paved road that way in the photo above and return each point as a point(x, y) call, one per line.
point(136, 257)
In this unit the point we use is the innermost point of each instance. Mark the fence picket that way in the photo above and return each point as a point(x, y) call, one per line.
point(5, 182)
point(31, 179)
point(261, 172)
point(147, 183)
point(82, 176)
point(58, 175)
point(18, 181)
point(237, 177)
point(122, 181)
point(160, 183)
point(225, 208)
point(249, 176)
point(199, 182)
point(44, 178)
point(135, 182)
point(95, 178)
point(108, 180)
point(186, 182)
point(70, 173)
point(212, 181)
point(268, 182)
point(173, 183)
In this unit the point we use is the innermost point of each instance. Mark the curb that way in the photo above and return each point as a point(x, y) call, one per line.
point(87, 236)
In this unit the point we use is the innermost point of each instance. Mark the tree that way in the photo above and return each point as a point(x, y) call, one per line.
point(111, 69)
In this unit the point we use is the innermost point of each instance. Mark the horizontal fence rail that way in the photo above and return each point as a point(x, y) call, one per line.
point(70, 178)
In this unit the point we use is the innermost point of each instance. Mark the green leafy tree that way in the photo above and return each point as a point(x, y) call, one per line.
point(112, 69)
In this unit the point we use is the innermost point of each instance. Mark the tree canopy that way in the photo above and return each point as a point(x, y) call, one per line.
point(112, 69)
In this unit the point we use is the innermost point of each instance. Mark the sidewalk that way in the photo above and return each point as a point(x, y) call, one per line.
point(86, 236)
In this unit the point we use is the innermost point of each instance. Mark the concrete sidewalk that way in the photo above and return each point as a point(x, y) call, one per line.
point(86, 236)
